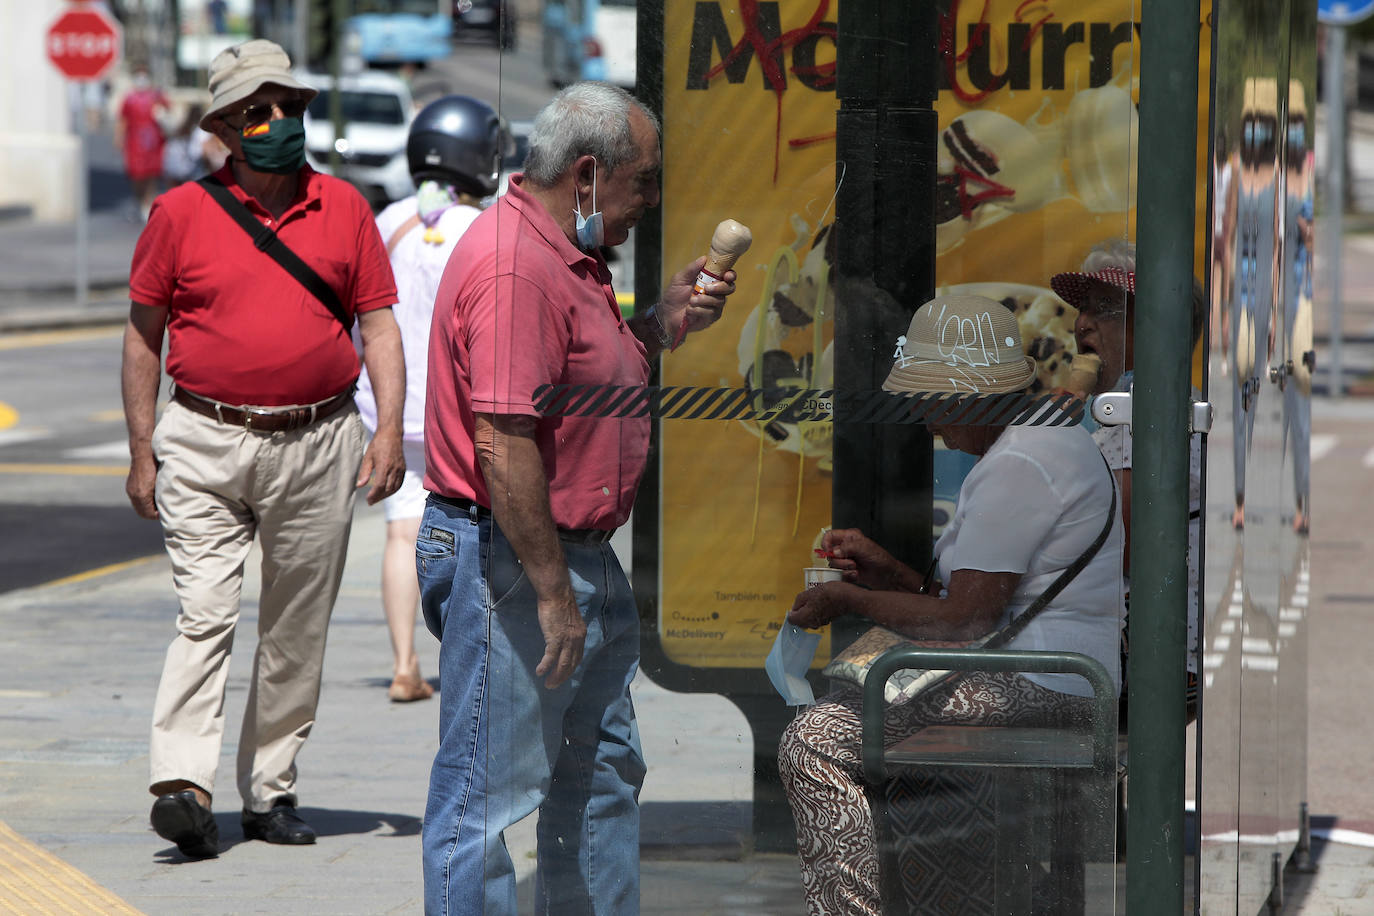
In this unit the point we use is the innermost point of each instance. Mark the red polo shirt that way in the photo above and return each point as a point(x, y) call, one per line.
point(520, 306)
point(240, 329)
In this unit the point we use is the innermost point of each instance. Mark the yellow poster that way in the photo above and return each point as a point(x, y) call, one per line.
point(1036, 114)
point(749, 134)
point(1038, 139)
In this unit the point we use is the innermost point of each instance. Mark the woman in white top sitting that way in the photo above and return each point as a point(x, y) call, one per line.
point(1037, 499)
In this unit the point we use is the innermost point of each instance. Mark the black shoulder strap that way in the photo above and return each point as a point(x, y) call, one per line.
point(266, 241)
point(1013, 629)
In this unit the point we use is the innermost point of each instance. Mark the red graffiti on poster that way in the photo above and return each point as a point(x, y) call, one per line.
point(979, 33)
point(767, 51)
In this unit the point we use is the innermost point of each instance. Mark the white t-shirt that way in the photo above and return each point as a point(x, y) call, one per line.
point(1115, 443)
point(1032, 505)
point(418, 266)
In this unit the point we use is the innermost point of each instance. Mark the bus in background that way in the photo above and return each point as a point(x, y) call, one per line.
point(394, 32)
point(589, 40)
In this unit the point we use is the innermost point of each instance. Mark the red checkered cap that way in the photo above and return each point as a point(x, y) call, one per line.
point(1073, 287)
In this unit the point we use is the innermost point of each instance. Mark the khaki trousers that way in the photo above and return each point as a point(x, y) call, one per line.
point(217, 487)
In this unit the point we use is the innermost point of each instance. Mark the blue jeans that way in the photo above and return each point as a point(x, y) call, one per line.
point(509, 746)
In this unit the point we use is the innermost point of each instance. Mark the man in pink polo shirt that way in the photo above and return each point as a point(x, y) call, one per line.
point(539, 630)
point(261, 438)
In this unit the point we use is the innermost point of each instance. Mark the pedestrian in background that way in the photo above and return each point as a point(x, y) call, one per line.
point(539, 631)
point(191, 151)
point(261, 438)
point(138, 134)
point(216, 11)
point(454, 152)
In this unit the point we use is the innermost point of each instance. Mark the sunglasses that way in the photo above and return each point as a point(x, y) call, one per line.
point(1297, 139)
point(261, 113)
point(1258, 139)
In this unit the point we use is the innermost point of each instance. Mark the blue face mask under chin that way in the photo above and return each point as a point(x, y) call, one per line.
point(591, 231)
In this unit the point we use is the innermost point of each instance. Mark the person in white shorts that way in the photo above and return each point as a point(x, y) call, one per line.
point(454, 150)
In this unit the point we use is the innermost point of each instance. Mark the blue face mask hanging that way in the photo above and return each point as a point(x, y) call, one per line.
point(591, 231)
point(789, 660)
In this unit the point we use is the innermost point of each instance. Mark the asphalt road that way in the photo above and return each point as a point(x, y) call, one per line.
point(512, 82)
point(63, 458)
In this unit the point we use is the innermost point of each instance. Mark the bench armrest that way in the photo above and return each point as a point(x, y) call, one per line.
point(900, 657)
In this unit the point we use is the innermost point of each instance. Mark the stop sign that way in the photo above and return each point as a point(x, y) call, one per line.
point(84, 42)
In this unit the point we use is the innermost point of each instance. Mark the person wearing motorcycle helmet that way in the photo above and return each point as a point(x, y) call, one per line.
point(457, 140)
point(454, 150)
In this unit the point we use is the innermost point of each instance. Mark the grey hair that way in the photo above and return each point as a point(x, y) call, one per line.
point(586, 118)
point(1117, 253)
point(1120, 253)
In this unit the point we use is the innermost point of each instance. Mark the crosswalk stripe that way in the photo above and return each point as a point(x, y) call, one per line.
point(1322, 444)
point(1368, 459)
point(14, 436)
point(118, 449)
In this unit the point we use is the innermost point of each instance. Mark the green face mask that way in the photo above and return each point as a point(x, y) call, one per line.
point(279, 150)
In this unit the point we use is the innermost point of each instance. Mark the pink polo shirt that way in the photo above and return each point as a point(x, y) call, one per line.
point(519, 306)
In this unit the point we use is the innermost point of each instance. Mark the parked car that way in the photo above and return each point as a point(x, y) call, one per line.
point(490, 20)
point(377, 111)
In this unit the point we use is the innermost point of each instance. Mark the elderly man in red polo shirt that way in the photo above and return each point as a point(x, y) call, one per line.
point(260, 438)
point(539, 630)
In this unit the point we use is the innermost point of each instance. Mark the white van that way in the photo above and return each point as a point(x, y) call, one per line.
point(377, 111)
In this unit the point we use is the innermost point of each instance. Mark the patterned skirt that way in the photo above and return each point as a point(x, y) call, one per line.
point(819, 759)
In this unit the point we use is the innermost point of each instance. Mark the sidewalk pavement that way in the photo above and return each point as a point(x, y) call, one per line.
point(80, 662)
point(38, 270)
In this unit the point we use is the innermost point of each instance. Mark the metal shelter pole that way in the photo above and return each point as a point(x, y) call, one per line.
point(76, 91)
point(1159, 498)
point(1335, 192)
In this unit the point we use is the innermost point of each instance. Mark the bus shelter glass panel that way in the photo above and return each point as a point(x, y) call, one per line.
point(866, 195)
point(1036, 209)
point(1253, 653)
point(879, 156)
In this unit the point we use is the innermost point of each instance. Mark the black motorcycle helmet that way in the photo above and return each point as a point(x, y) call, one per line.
point(457, 140)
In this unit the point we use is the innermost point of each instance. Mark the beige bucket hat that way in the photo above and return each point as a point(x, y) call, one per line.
point(239, 71)
point(961, 344)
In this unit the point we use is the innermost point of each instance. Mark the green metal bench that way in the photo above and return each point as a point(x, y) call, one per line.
point(1042, 795)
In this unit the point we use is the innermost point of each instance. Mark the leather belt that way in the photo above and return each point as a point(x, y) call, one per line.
point(585, 537)
point(262, 419)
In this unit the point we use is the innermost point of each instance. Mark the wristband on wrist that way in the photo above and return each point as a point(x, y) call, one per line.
point(665, 340)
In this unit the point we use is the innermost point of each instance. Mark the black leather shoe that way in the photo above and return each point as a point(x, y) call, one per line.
point(280, 825)
point(178, 817)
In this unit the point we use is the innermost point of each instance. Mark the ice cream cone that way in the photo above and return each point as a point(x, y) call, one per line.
point(1083, 372)
point(730, 240)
